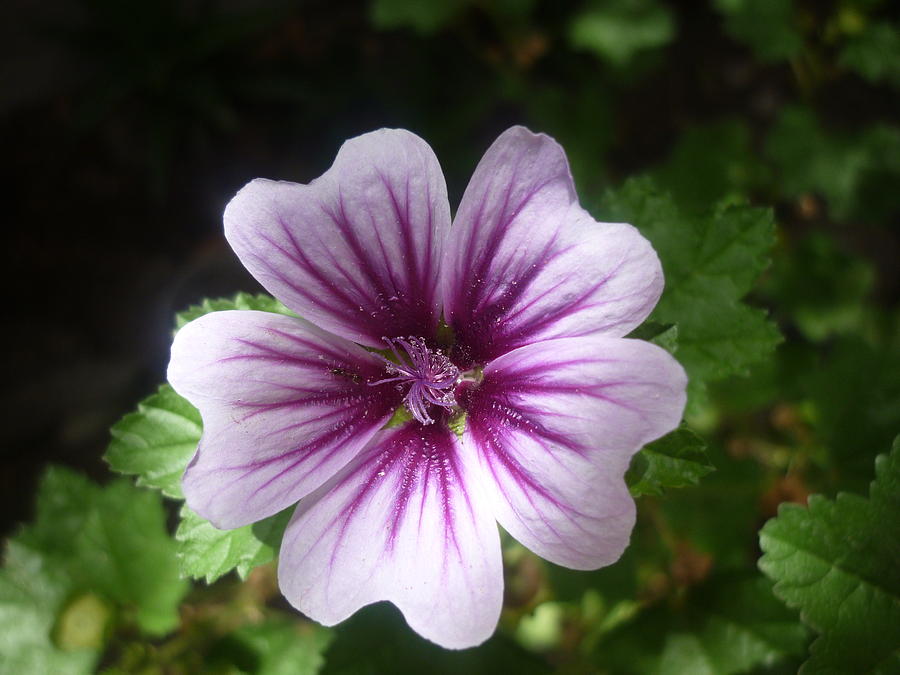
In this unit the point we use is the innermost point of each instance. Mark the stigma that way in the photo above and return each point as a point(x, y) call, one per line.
point(430, 374)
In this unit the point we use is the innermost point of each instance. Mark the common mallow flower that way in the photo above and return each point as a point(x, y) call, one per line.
point(499, 339)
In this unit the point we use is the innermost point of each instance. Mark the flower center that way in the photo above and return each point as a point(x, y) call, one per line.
point(431, 375)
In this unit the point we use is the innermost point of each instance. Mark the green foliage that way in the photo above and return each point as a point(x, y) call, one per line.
point(799, 115)
point(33, 592)
point(377, 640)
point(676, 460)
point(110, 540)
point(731, 624)
point(854, 391)
point(205, 552)
point(855, 173)
point(821, 287)
point(661, 334)
point(710, 263)
point(875, 53)
point(766, 26)
point(837, 562)
point(91, 553)
point(281, 646)
point(423, 17)
point(156, 442)
point(260, 303)
point(711, 163)
point(618, 30)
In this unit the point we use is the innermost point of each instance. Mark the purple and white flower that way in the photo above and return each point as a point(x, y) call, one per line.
point(500, 337)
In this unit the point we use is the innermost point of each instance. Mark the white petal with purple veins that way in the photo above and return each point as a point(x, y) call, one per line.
point(554, 425)
point(525, 262)
point(404, 522)
point(284, 406)
point(357, 250)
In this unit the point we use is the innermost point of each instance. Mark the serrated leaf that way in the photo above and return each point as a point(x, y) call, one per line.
point(260, 302)
point(205, 552)
point(156, 442)
point(661, 334)
point(837, 561)
point(710, 263)
point(676, 460)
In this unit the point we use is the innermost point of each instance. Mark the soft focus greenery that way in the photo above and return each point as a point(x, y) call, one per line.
point(774, 210)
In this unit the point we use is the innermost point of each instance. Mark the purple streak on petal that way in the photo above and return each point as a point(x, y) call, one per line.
point(284, 406)
point(407, 522)
point(357, 250)
point(554, 426)
point(525, 263)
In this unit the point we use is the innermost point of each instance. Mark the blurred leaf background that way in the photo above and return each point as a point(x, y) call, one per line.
point(769, 129)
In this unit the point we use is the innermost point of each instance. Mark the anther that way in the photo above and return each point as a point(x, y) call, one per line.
point(431, 375)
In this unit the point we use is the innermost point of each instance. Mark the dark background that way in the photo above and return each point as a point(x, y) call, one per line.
point(127, 126)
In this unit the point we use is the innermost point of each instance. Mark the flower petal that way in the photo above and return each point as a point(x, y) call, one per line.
point(357, 250)
point(404, 522)
point(284, 406)
point(524, 262)
point(555, 425)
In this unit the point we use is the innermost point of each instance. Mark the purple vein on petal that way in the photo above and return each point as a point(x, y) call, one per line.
point(555, 424)
point(284, 406)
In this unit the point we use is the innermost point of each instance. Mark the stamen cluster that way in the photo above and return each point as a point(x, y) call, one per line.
point(431, 375)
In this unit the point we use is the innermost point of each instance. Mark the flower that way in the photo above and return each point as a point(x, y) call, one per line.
point(523, 407)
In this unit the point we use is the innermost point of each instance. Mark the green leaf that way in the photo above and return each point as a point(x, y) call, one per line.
point(821, 286)
point(616, 31)
point(710, 262)
point(156, 442)
point(284, 646)
point(731, 624)
point(205, 552)
point(422, 17)
point(854, 392)
point(33, 592)
point(855, 173)
point(664, 335)
point(837, 562)
point(260, 302)
point(875, 53)
point(766, 26)
point(711, 163)
point(91, 553)
point(113, 541)
point(720, 518)
point(676, 460)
